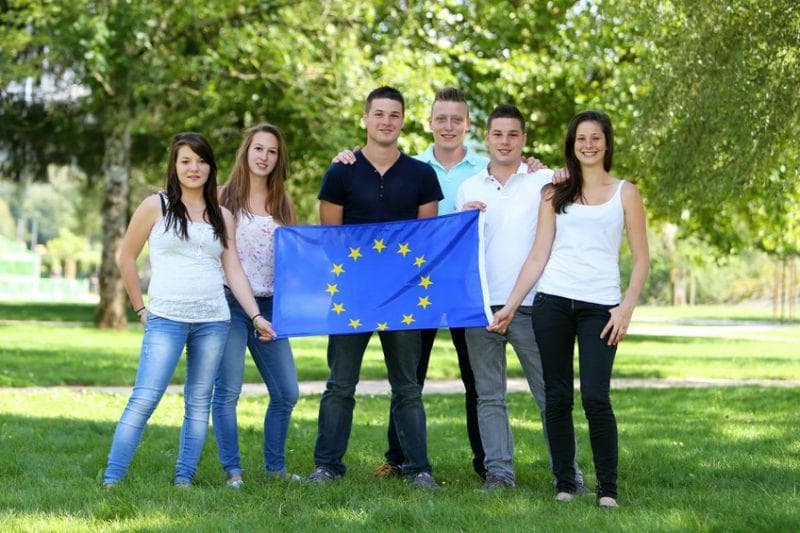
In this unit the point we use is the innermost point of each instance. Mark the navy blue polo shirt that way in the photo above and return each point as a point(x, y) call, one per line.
point(366, 196)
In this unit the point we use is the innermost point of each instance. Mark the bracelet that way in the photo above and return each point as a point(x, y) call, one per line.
point(142, 308)
point(253, 318)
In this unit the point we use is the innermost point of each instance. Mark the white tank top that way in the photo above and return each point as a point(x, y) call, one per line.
point(584, 262)
point(255, 241)
point(186, 284)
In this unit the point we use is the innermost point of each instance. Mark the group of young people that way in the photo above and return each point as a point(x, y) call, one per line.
point(212, 285)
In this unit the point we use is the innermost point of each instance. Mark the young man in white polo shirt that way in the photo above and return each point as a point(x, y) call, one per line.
point(509, 196)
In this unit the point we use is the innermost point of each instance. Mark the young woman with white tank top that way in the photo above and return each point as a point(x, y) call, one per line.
point(191, 244)
point(256, 195)
point(575, 259)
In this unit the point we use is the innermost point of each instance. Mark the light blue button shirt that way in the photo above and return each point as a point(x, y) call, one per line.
point(449, 180)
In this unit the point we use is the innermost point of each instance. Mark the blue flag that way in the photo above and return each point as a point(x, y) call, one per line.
point(410, 274)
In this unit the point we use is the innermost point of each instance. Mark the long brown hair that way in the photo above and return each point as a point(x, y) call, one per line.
point(176, 215)
point(570, 191)
point(235, 195)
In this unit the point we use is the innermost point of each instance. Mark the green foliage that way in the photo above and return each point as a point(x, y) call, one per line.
point(719, 121)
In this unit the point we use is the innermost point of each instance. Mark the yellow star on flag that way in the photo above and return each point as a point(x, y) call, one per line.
point(424, 302)
point(378, 245)
point(419, 260)
point(425, 281)
point(337, 269)
point(382, 326)
point(338, 308)
point(403, 249)
point(355, 323)
point(355, 253)
point(332, 289)
point(407, 319)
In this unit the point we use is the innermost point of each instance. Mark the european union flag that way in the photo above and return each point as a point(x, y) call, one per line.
point(410, 274)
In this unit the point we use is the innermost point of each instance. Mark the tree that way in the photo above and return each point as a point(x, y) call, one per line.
point(717, 127)
point(144, 70)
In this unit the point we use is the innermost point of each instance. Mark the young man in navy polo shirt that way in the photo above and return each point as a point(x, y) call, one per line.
point(383, 185)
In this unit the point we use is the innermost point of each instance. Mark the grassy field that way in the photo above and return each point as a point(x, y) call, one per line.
point(712, 312)
point(714, 459)
point(34, 354)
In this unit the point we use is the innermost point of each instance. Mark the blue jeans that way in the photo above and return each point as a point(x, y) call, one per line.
point(394, 455)
point(276, 365)
point(162, 346)
point(401, 353)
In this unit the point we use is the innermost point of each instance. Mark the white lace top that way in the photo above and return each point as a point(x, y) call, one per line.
point(187, 274)
point(255, 240)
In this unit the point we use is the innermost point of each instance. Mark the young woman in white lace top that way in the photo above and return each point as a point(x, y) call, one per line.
point(256, 195)
point(191, 245)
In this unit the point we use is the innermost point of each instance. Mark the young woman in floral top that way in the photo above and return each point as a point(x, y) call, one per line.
point(256, 196)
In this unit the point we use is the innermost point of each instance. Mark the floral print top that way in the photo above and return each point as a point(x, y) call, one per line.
point(255, 241)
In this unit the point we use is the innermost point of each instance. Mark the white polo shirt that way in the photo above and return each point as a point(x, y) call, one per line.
point(511, 215)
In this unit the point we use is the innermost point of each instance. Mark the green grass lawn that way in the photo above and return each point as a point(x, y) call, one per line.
point(61, 355)
point(713, 312)
point(712, 459)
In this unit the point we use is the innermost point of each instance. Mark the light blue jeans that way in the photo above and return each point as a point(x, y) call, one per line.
point(276, 365)
point(162, 346)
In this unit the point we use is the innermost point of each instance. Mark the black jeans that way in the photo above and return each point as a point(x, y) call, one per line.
point(394, 454)
point(401, 351)
point(557, 322)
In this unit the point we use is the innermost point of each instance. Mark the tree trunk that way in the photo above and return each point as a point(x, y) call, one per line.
point(116, 186)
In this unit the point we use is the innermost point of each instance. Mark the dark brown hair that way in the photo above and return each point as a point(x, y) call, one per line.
point(176, 215)
point(505, 111)
point(570, 191)
point(387, 92)
point(235, 195)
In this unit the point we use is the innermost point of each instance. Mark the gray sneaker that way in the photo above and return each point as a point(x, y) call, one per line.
point(494, 483)
point(423, 480)
point(322, 475)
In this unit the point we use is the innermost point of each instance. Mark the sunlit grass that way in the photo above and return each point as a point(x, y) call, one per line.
point(713, 459)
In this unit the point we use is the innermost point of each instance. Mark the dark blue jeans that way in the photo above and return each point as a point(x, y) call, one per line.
point(401, 352)
point(394, 454)
point(557, 322)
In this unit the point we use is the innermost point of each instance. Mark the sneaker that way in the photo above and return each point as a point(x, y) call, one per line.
point(607, 502)
point(565, 497)
point(386, 470)
point(284, 476)
point(110, 484)
point(583, 491)
point(322, 475)
point(496, 483)
point(234, 481)
point(423, 480)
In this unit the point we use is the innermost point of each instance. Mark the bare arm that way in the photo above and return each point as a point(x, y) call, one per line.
point(237, 280)
point(533, 266)
point(431, 209)
point(635, 224)
point(330, 214)
point(142, 221)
